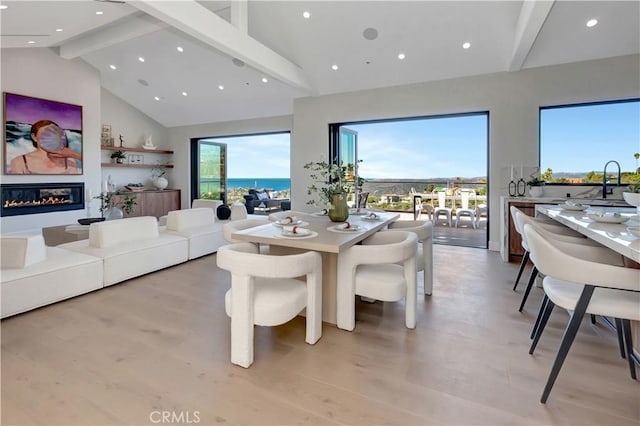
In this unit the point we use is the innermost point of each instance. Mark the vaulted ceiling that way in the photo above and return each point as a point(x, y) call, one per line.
point(251, 59)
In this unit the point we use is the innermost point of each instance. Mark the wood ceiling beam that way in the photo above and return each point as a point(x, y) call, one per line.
point(530, 22)
point(197, 21)
point(240, 15)
point(122, 31)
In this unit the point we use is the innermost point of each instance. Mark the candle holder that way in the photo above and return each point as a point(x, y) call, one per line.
point(521, 187)
point(513, 189)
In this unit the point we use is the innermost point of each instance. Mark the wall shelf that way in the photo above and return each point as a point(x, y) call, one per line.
point(148, 151)
point(139, 166)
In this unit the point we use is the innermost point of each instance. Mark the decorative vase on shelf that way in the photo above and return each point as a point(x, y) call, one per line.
point(113, 213)
point(632, 198)
point(160, 183)
point(339, 211)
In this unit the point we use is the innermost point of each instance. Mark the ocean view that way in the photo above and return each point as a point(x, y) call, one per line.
point(277, 184)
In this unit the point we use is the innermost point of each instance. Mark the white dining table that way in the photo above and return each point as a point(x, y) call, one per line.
point(612, 235)
point(329, 242)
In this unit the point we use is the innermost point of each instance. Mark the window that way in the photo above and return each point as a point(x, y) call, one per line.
point(577, 140)
point(238, 163)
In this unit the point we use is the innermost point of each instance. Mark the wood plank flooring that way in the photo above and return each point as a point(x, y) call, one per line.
point(161, 343)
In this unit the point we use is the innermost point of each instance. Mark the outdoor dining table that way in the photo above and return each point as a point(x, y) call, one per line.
point(329, 242)
point(612, 235)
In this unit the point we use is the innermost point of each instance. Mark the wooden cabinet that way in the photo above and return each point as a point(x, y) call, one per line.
point(515, 241)
point(152, 203)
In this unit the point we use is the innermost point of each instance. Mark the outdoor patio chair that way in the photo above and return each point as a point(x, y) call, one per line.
point(465, 210)
point(441, 208)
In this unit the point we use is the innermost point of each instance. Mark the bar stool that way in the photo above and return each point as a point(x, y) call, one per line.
point(582, 286)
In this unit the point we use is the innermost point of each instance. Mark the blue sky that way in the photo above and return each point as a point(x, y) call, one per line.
point(426, 148)
point(575, 139)
point(261, 156)
point(582, 139)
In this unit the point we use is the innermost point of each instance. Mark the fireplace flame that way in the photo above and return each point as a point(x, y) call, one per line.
point(40, 202)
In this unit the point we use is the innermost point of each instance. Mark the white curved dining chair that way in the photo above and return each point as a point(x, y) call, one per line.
point(238, 225)
point(424, 255)
point(264, 291)
point(372, 270)
point(582, 287)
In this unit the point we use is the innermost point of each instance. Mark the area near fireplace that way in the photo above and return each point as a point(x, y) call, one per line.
point(33, 198)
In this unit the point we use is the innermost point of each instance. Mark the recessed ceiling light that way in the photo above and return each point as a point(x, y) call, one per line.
point(264, 80)
point(184, 93)
point(99, 12)
point(592, 23)
point(306, 15)
point(180, 49)
point(334, 67)
point(113, 67)
point(156, 98)
point(466, 45)
point(3, 6)
point(140, 58)
point(221, 87)
point(30, 42)
point(59, 30)
point(401, 56)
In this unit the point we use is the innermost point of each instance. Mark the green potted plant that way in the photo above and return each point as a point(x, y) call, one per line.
point(110, 208)
point(118, 156)
point(332, 186)
point(536, 186)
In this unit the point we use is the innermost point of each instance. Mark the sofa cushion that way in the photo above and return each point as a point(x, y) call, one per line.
point(212, 204)
point(62, 275)
point(21, 251)
point(115, 232)
point(180, 220)
point(223, 212)
point(263, 196)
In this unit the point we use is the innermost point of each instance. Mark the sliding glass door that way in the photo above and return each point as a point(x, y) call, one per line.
point(208, 170)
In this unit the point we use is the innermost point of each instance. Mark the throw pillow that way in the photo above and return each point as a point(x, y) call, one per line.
point(273, 195)
point(223, 212)
point(263, 196)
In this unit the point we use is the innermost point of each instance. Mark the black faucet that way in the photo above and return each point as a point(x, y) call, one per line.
point(604, 178)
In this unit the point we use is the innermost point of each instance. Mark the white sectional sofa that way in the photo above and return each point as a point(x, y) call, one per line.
point(131, 247)
point(199, 227)
point(34, 275)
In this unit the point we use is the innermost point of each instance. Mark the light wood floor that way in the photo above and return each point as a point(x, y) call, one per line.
point(161, 343)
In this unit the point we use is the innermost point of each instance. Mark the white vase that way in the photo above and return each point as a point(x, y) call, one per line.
point(536, 191)
point(632, 198)
point(113, 213)
point(160, 183)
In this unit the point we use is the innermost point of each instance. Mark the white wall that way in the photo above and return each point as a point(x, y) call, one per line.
point(512, 100)
point(181, 138)
point(134, 126)
point(41, 73)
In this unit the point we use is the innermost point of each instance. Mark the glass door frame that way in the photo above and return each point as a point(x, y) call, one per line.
point(195, 168)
